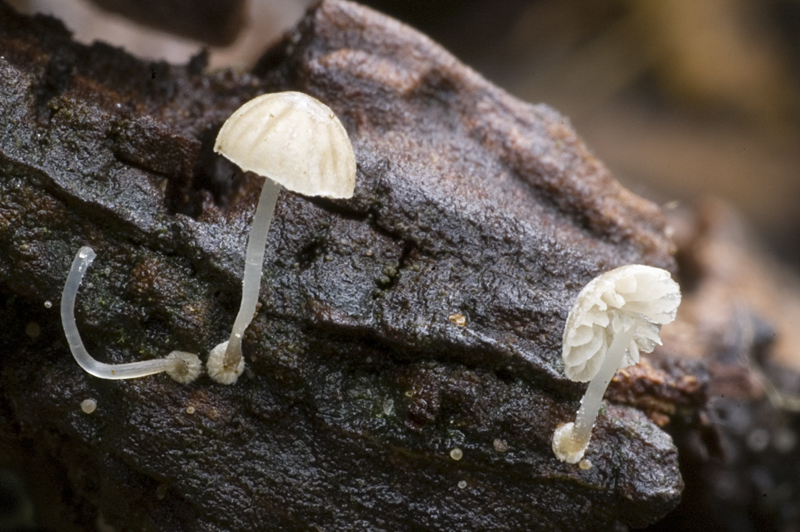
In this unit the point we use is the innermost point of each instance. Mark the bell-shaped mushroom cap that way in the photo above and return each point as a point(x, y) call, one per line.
point(293, 139)
point(645, 295)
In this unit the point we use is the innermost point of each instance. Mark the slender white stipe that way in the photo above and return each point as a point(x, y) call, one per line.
point(296, 142)
point(616, 315)
point(181, 367)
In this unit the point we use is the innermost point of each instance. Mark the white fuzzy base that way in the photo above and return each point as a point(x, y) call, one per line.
point(216, 369)
point(565, 447)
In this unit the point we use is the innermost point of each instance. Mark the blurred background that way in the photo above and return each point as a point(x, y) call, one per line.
point(682, 99)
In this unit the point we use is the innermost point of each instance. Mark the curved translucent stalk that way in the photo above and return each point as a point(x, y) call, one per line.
point(226, 368)
point(179, 365)
point(571, 440)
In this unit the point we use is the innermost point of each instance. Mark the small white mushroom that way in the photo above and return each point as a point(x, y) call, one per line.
point(615, 317)
point(296, 142)
point(183, 367)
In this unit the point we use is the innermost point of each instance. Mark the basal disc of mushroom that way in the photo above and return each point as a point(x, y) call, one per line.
point(295, 140)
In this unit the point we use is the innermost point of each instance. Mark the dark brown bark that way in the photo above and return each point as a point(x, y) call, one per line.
point(467, 201)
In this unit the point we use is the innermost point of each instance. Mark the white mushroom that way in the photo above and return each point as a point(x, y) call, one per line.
point(295, 141)
point(181, 366)
point(616, 316)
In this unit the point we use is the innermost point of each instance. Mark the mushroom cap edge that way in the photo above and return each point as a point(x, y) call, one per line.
point(293, 139)
point(652, 301)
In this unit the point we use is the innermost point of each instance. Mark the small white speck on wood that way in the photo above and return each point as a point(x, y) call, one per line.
point(88, 406)
point(500, 445)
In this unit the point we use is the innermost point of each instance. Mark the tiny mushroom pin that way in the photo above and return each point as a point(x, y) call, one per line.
point(181, 366)
point(615, 317)
point(296, 142)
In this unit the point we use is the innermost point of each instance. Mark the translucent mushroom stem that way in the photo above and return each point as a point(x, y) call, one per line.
point(571, 440)
point(183, 367)
point(232, 362)
point(590, 404)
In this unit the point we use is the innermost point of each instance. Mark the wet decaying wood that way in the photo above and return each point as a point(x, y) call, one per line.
point(423, 315)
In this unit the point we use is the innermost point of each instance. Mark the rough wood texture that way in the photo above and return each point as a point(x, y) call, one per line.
point(361, 381)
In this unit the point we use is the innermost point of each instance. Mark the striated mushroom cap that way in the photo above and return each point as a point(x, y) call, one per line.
point(293, 139)
point(646, 295)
